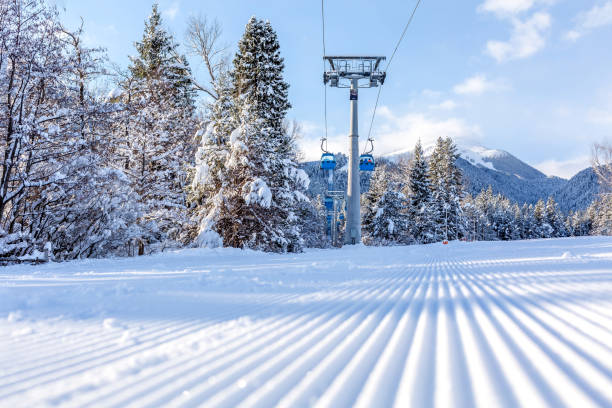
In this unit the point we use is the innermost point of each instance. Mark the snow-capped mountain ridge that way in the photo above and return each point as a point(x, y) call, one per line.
point(484, 157)
point(483, 167)
point(500, 160)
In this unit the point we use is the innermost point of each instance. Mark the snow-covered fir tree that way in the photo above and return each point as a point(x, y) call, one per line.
point(484, 202)
point(447, 190)
point(209, 187)
point(158, 132)
point(600, 212)
point(263, 185)
point(419, 211)
point(504, 220)
point(555, 219)
point(378, 185)
point(384, 220)
point(579, 223)
point(312, 216)
point(158, 60)
point(526, 222)
point(517, 232)
point(542, 227)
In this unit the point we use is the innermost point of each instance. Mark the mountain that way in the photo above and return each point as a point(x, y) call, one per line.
point(501, 161)
point(516, 188)
point(522, 183)
point(483, 167)
point(579, 192)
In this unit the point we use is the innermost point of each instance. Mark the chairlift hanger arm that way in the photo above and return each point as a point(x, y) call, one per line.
point(371, 141)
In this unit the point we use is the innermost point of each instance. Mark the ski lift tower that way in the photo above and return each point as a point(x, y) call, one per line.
point(346, 72)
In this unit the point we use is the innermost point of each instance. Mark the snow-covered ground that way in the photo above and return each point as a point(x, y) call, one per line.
point(490, 324)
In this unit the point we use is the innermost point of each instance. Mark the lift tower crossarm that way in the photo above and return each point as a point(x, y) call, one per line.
point(349, 67)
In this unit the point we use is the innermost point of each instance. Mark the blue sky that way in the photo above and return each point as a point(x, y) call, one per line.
point(532, 77)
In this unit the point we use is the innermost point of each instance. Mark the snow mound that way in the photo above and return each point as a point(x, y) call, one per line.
point(209, 239)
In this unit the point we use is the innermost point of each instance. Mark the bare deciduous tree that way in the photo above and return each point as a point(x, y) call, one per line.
point(203, 39)
point(602, 164)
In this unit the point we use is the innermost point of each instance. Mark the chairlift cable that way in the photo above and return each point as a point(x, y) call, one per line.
point(389, 63)
point(324, 85)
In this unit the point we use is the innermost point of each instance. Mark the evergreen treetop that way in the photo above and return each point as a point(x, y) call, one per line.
point(158, 59)
point(257, 76)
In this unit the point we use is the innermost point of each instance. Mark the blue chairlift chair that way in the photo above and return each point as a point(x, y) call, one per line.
point(366, 162)
point(328, 162)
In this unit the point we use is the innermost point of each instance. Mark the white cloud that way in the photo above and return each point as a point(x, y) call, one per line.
point(477, 85)
point(598, 16)
point(310, 142)
point(428, 93)
point(564, 168)
point(172, 11)
point(573, 35)
point(393, 133)
point(400, 132)
point(448, 104)
point(506, 7)
point(527, 38)
point(600, 116)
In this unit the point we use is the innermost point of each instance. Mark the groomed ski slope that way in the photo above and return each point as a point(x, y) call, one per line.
point(526, 323)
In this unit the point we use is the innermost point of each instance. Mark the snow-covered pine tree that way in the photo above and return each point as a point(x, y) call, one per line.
point(384, 219)
point(447, 190)
point(504, 221)
point(438, 192)
point(542, 227)
point(569, 225)
point(158, 60)
point(159, 129)
point(483, 203)
point(554, 218)
point(419, 212)
point(600, 213)
point(378, 185)
point(456, 192)
point(312, 216)
point(517, 232)
point(529, 227)
point(264, 183)
point(579, 223)
point(208, 192)
point(390, 223)
point(472, 215)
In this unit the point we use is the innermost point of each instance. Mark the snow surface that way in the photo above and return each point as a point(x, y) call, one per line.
point(478, 155)
point(523, 323)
